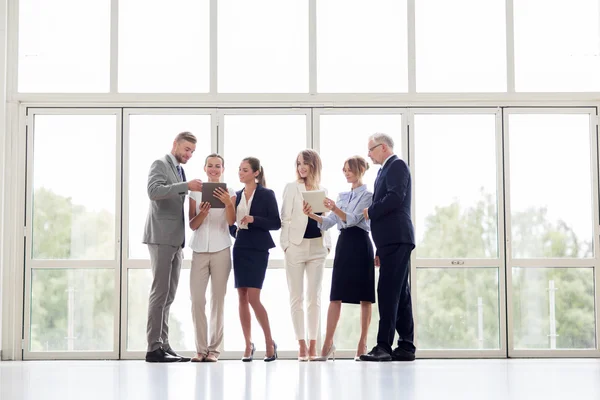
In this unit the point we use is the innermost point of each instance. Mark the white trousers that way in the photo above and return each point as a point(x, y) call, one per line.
point(307, 258)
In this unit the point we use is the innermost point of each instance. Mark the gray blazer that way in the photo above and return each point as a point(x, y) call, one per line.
point(167, 191)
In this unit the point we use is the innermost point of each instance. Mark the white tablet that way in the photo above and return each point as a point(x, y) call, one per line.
point(315, 199)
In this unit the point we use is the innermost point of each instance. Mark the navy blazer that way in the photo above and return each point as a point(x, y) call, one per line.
point(266, 218)
point(390, 212)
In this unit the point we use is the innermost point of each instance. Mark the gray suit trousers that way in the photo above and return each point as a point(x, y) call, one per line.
point(166, 265)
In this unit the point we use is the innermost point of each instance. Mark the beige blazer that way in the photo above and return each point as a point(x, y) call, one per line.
point(293, 219)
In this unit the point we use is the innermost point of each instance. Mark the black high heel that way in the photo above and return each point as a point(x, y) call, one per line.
point(274, 356)
point(248, 359)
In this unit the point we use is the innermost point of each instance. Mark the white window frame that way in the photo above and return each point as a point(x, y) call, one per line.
point(472, 263)
point(31, 263)
point(553, 262)
point(133, 264)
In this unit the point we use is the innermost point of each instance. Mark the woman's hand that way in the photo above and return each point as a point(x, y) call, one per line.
point(248, 219)
point(329, 204)
point(204, 209)
point(222, 195)
point(307, 209)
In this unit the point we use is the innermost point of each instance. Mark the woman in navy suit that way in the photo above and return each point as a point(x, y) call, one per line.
point(256, 215)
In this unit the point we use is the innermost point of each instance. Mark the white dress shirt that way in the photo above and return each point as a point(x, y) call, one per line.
point(213, 234)
point(243, 209)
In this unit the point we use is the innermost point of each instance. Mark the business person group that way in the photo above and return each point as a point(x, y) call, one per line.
point(249, 215)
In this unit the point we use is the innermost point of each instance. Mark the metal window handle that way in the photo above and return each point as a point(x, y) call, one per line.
point(457, 262)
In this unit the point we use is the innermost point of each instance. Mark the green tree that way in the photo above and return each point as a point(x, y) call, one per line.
point(451, 303)
point(74, 309)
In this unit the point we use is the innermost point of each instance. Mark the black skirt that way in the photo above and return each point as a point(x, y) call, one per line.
point(353, 278)
point(249, 267)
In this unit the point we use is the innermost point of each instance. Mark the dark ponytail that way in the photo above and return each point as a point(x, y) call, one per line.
point(261, 177)
point(255, 165)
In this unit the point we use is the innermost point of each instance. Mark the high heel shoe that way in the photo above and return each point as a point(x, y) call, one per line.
point(274, 356)
point(330, 353)
point(357, 357)
point(251, 357)
point(302, 358)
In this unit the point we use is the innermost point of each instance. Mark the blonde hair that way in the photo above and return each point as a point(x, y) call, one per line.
point(357, 165)
point(313, 159)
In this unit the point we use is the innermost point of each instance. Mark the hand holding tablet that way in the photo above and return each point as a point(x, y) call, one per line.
point(209, 195)
point(315, 199)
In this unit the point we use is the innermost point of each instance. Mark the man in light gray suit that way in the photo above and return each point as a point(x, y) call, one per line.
point(165, 236)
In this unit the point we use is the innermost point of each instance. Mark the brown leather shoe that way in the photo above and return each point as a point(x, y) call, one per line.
point(210, 358)
point(199, 358)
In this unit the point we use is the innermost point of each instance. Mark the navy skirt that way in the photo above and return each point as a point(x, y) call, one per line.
point(353, 278)
point(249, 267)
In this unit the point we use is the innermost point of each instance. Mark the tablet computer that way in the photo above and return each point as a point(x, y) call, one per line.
point(315, 199)
point(207, 194)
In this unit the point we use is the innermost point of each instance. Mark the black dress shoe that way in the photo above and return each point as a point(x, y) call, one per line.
point(402, 355)
point(160, 356)
point(171, 352)
point(377, 354)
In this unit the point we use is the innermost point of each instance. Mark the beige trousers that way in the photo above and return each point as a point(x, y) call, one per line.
point(217, 266)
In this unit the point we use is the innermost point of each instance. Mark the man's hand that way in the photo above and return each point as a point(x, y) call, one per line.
point(366, 214)
point(195, 185)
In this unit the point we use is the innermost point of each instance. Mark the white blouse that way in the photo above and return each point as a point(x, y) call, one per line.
point(243, 209)
point(213, 234)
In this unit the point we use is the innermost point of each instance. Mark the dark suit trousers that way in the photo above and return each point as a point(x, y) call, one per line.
point(393, 291)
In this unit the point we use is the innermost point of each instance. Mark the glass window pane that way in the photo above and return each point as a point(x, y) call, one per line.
point(64, 46)
point(553, 308)
point(276, 141)
point(549, 219)
point(556, 46)
point(457, 308)
point(151, 137)
point(171, 59)
point(181, 328)
point(263, 46)
point(356, 130)
point(456, 204)
point(362, 48)
point(74, 187)
point(72, 310)
point(450, 57)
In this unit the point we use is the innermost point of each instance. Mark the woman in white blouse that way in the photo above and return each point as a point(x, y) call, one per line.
point(211, 244)
point(306, 246)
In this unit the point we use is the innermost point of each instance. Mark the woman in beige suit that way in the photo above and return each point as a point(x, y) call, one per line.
point(306, 246)
point(211, 244)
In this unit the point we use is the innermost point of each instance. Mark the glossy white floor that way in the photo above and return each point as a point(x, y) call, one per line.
point(342, 379)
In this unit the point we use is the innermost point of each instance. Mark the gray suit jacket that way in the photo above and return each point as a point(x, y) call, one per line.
point(167, 191)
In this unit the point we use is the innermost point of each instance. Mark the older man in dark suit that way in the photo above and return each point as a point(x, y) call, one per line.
point(393, 234)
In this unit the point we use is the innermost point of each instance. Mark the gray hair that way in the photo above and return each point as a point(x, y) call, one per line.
point(382, 138)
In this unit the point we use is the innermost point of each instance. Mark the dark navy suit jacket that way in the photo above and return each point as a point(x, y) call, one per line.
point(390, 211)
point(266, 218)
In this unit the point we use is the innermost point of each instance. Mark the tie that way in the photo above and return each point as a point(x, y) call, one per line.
point(182, 177)
point(377, 178)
